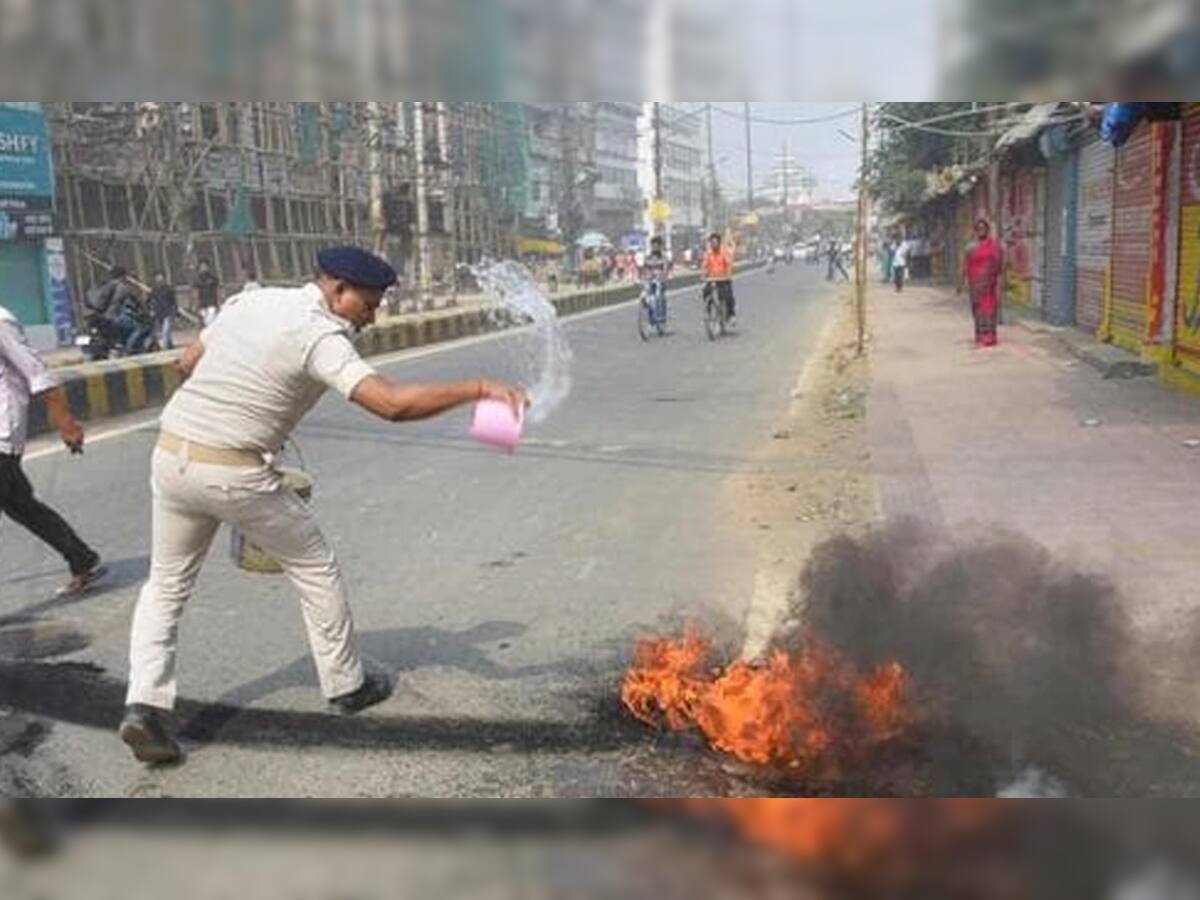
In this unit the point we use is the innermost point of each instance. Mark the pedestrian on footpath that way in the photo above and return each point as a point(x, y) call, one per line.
point(207, 288)
point(23, 376)
point(164, 306)
point(981, 274)
point(836, 264)
point(900, 263)
point(251, 377)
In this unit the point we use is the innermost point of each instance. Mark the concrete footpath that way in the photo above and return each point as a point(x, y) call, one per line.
point(1027, 436)
point(102, 390)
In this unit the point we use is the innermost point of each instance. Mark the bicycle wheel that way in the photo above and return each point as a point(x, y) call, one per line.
point(712, 316)
point(644, 319)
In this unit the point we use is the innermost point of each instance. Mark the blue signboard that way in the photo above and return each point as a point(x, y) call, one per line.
point(26, 175)
point(58, 292)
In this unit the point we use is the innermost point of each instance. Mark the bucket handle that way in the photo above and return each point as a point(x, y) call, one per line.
point(299, 455)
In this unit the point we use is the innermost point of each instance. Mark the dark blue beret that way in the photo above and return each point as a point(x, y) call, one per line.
point(357, 266)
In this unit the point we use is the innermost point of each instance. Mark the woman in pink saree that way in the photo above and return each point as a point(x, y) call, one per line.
point(981, 271)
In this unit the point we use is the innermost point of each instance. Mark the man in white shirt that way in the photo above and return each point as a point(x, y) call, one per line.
point(252, 376)
point(900, 263)
point(24, 375)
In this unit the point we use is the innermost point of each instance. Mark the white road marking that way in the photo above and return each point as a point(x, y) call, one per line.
point(400, 356)
point(96, 438)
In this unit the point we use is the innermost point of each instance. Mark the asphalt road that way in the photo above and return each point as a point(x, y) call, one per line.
point(504, 592)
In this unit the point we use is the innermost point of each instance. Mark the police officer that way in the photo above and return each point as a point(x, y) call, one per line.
point(251, 377)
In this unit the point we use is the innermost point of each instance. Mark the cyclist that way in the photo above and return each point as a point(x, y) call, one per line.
point(656, 268)
point(718, 273)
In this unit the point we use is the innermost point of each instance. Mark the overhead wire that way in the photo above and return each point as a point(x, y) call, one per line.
point(999, 127)
point(763, 120)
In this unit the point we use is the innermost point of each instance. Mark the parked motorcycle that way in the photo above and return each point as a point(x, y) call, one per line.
point(103, 338)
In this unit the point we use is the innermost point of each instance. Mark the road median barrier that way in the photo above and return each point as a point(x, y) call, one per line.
point(110, 388)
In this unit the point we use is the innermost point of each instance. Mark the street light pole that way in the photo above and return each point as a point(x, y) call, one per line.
point(375, 173)
point(749, 161)
point(860, 268)
point(424, 255)
point(712, 171)
point(787, 177)
point(658, 169)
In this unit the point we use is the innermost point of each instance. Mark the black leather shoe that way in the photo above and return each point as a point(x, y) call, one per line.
point(376, 688)
point(144, 729)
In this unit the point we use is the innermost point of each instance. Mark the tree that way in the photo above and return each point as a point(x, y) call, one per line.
point(903, 156)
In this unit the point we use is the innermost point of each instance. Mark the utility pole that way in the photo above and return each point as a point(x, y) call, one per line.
point(787, 176)
point(567, 222)
point(375, 173)
point(424, 260)
point(711, 225)
point(860, 257)
point(407, 174)
point(749, 162)
point(449, 214)
point(658, 169)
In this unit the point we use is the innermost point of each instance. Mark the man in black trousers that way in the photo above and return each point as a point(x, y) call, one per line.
point(24, 375)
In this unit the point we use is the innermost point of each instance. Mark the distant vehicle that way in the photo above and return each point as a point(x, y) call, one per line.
point(780, 254)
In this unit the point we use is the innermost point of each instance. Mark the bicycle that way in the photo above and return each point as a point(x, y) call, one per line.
point(716, 315)
point(647, 319)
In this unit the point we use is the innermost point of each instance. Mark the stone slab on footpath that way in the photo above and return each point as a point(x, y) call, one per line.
point(1109, 360)
point(1026, 438)
point(101, 390)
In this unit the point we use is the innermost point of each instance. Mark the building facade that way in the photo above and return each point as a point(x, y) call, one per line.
point(33, 284)
point(257, 188)
point(616, 199)
point(673, 132)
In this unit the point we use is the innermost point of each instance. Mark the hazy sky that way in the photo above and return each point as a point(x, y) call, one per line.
point(820, 148)
point(879, 49)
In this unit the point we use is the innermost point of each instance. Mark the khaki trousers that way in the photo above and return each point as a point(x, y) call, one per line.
point(191, 500)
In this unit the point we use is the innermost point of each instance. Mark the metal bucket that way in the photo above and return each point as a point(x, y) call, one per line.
point(248, 556)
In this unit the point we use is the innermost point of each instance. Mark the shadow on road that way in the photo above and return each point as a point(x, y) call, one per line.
point(122, 573)
point(82, 694)
point(391, 650)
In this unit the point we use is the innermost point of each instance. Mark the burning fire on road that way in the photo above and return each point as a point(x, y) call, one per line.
point(808, 711)
point(925, 667)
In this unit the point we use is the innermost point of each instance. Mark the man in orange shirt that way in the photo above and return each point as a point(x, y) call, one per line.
point(718, 271)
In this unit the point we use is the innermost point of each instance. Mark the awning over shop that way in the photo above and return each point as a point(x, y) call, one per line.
point(539, 247)
point(1029, 127)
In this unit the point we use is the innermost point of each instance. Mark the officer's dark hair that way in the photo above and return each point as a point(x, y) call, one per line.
point(117, 272)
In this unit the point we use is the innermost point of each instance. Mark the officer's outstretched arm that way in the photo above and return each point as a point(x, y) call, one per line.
point(190, 357)
point(398, 402)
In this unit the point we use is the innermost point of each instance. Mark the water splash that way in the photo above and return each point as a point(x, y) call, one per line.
point(512, 295)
